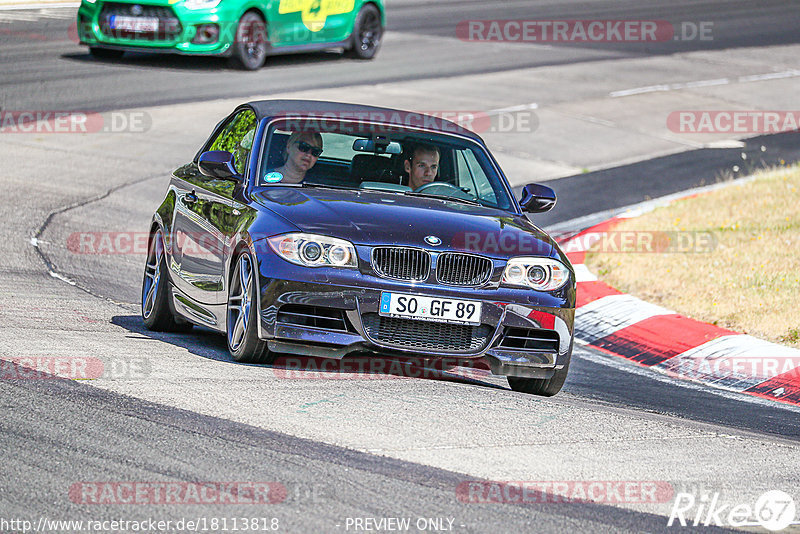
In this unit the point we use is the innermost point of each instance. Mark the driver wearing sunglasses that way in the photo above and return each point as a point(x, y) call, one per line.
point(301, 153)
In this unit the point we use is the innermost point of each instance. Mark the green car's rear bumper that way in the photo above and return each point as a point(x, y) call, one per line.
point(178, 26)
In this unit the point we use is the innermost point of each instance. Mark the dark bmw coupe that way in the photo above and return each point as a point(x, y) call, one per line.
point(329, 229)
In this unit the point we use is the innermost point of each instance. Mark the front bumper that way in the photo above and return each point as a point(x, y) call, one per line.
point(179, 28)
point(353, 300)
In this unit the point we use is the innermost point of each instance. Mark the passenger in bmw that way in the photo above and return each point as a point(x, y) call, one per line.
point(422, 165)
point(300, 155)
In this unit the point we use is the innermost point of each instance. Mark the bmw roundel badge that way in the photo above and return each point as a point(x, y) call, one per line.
point(433, 240)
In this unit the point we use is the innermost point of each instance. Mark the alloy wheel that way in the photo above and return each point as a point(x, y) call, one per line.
point(239, 302)
point(152, 274)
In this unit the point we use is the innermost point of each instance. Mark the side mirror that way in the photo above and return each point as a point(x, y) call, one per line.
point(218, 164)
point(537, 198)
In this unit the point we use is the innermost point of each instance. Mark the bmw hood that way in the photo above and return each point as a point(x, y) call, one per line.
point(380, 218)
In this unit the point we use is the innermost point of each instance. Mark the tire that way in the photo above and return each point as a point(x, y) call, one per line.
point(241, 317)
point(250, 46)
point(545, 387)
point(367, 35)
point(156, 311)
point(105, 53)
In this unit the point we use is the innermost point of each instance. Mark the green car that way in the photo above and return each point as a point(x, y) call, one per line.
point(246, 31)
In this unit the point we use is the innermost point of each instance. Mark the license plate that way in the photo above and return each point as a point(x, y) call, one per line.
point(437, 309)
point(134, 24)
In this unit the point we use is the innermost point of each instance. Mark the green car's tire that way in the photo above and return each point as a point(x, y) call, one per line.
point(251, 44)
point(365, 40)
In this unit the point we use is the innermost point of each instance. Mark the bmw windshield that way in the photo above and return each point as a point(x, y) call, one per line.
point(401, 161)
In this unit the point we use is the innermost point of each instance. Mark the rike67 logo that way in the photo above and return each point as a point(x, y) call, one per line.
point(774, 510)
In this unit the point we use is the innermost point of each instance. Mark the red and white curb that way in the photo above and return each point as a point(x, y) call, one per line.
point(680, 347)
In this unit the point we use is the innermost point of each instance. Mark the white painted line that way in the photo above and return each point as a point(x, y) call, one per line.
point(17, 17)
point(770, 76)
point(704, 83)
point(607, 315)
point(639, 90)
point(636, 212)
point(53, 14)
point(521, 107)
point(670, 87)
point(43, 5)
point(726, 143)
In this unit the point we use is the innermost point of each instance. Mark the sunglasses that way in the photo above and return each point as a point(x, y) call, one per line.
point(309, 149)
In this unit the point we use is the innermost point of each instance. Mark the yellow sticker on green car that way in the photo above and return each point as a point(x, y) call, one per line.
point(315, 12)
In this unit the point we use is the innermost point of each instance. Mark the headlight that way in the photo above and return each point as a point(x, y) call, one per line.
point(542, 274)
point(201, 4)
point(311, 250)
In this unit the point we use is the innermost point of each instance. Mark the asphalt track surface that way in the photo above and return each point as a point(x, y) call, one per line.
point(57, 432)
point(41, 70)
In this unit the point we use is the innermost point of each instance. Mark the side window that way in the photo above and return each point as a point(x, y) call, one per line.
point(237, 138)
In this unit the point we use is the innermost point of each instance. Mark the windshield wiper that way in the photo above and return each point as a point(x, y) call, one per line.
point(471, 202)
point(474, 202)
point(327, 186)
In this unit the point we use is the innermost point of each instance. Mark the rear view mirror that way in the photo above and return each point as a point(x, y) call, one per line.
point(218, 164)
point(379, 145)
point(537, 198)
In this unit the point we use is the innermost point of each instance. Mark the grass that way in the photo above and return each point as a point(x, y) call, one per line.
point(750, 279)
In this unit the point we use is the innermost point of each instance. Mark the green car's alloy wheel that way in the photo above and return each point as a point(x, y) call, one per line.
point(242, 316)
point(367, 33)
point(156, 312)
point(105, 53)
point(250, 47)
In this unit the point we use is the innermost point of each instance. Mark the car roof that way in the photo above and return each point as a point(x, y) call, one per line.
point(268, 109)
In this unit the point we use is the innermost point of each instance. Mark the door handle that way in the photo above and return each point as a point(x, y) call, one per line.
point(190, 198)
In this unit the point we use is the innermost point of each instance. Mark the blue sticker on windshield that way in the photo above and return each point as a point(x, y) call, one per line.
point(273, 177)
